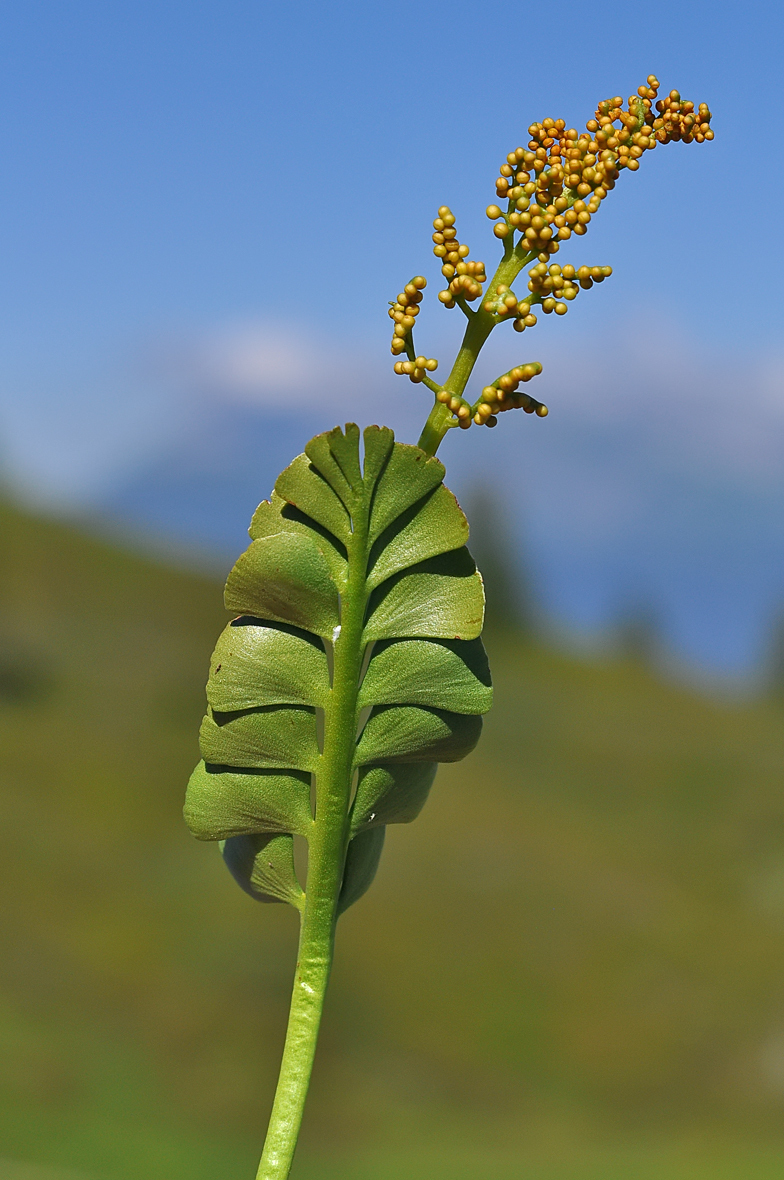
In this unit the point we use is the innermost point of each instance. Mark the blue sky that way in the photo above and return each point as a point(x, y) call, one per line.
point(206, 207)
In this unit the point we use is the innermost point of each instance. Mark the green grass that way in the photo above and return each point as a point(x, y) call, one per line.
point(571, 967)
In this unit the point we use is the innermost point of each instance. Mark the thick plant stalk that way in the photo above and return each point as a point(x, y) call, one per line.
point(307, 1002)
point(327, 854)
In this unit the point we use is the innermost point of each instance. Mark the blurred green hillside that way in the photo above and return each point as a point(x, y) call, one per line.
point(571, 967)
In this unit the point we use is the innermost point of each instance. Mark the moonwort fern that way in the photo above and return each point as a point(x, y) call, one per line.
point(355, 664)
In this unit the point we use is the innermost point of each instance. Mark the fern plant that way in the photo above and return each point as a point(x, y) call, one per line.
point(355, 664)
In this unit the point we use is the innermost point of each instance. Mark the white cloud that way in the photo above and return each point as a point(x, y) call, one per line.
point(266, 363)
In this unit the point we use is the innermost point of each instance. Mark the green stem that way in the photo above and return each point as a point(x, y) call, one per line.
point(433, 386)
point(477, 331)
point(326, 861)
point(465, 307)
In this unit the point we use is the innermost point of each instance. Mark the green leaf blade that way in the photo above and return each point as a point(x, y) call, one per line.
point(285, 578)
point(321, 451)
point(379, 441)
point(277, 515)
point(223, 802)
point(259, 662)
point(429, 527)
point(362, 858)
point(303, 486)
point(410, 733)
point(392, 793)
point(264, 867)
point(442, 598)
point(266, 738)
point(408, 475)
point(442, 674)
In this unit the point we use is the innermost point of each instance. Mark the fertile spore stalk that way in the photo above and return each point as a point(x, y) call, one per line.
point(355, 664)
point(552, 189)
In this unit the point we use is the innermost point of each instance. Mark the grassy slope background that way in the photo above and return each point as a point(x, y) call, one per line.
point(570, 967)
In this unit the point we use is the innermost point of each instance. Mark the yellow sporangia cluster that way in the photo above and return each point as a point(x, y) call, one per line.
point(504, 303)
point(417, 368)
point(552, 189)
point(466, 278)
point(543, 226)
point(501, 395)
point(467, 283)
point(404, 311)
point(562, 167)
point(447, 247)
point(553, 283)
